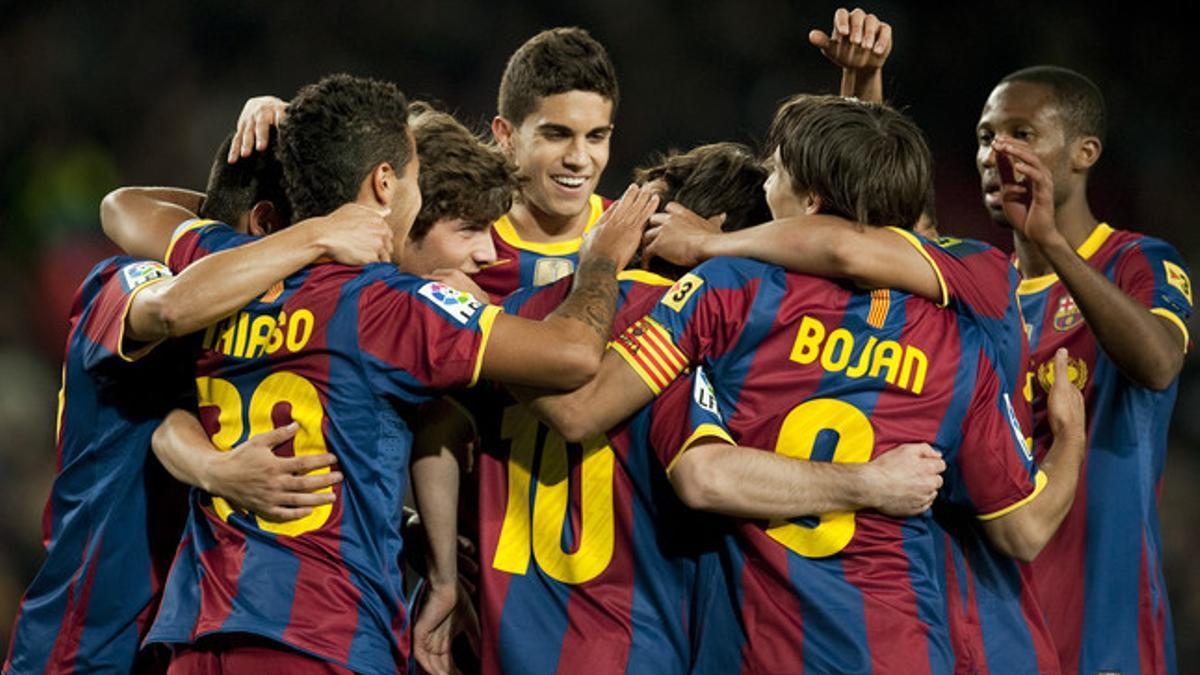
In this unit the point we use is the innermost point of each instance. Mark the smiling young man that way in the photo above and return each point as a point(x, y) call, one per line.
point(557, 100)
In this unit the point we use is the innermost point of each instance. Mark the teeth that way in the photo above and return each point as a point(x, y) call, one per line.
point(569, 181)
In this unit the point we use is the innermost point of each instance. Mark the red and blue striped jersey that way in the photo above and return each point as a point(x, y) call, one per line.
point(1100, 579)
point(526, 264)
point(114, 515)
point(584, 568)
point(996, 623)
point(818, 370)
point(339, 350)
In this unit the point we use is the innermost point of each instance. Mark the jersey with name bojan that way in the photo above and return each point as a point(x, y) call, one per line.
point(337, 349)
point(817, 370)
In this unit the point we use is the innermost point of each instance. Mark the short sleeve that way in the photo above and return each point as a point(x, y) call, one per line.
point(1152, 272)
point(418, 337)
point(104, 323)
point(974, 275)
point(196, 238)
point(698, 318)
point(537, 302)
point(997, 473)
point(685, 413)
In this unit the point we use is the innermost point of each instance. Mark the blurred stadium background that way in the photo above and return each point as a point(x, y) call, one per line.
point(102, 94)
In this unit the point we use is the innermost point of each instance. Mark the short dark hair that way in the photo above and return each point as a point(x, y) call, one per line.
point(461, 177)
point(1079, 99)
point(555, 61)
point(710, 179)
point(867, 161)
point(234, 189)
point(336, 132)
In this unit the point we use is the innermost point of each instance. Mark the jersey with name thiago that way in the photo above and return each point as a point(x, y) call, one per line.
point(817, 370)
point(338, 350)
point(579, 573)
point(525, 264)
point(1099, 579)
point(114, 516)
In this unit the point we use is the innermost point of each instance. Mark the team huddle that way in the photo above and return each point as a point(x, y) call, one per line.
point(387, 397)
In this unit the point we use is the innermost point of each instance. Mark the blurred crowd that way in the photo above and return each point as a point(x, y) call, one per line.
point(97, 96)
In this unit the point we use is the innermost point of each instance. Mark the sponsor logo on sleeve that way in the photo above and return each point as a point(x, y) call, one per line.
point(704, 394)
point(1018, 435)
point(683, 289)
point(140, 273)
point(459, 305)
point(1179, 279)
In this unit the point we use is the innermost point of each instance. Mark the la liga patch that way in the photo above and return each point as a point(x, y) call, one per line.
point(141, 273)
point(458, 305)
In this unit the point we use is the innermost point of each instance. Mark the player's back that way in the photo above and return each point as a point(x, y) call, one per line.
point(114, 515)
point(337, 350)
point(818, 370)
point(572, 538)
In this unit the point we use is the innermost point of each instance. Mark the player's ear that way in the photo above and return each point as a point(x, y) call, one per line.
point(379, 187)
point(1085, 150)
point(502, 131)
point(264, 219)
point(812, 203)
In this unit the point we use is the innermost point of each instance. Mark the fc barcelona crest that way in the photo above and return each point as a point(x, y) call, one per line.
point(1067, 316)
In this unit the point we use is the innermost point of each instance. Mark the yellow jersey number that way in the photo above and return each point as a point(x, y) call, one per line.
point(280, 387)
point(797, 437)
point(540, 533)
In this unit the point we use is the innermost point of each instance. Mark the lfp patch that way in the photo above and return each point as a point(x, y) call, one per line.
point(459, 305)
point(704, 394)
point(141, 273)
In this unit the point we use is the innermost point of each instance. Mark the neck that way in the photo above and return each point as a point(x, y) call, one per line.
point(1073, 219)
point(533, 224)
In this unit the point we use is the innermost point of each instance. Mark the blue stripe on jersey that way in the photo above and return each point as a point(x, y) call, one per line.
point(759, 321)
point(278, 567)
point(719, 636)
point(1007, 642)
point(925, 567)
point(526, 620)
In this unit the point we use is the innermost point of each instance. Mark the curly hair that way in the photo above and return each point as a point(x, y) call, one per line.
point(461, 177)
point(868, 162)
point(555, 61)
point(336, 132)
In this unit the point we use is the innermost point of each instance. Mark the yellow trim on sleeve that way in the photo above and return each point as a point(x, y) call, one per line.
point(508, 232)
point(916, 243)
point(705, 430)
point(183, 229)
point(485, 326)
point(1039, 484)
point(139, 353)
point(1170, 316)
point(648, 278)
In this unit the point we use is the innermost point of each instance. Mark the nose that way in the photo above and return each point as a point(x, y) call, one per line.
point(485, 251)
point(576, 156)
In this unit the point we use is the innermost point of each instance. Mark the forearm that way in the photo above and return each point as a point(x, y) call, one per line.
point(865, 86)
point(218, 284)
point(749, 483)
point(183, 448)
point(140, 220)
point(586, 314)
point(829, 246)
point(1146, 348)
point(435, 479)
point(616, 392)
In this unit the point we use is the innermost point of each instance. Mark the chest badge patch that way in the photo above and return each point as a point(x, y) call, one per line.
point(1067, 315)
point(1077, 372)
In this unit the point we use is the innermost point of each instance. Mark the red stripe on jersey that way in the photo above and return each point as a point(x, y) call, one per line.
point(221, 565)
point(1058, 572)
point(774, 629)
point(493, 583)
point(965, 635)
point(1151, 620)
point(66, 645)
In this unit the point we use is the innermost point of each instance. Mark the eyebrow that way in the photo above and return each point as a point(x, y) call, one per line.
point(563, 129)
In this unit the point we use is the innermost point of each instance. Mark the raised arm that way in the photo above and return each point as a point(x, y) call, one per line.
point(141, 220)
point(220, 283)
point(821, 245)
point(1023, 532)
point(751, 483)
point(1146, 347)
point(564, 349)
point(250, 476)
point(859, 44)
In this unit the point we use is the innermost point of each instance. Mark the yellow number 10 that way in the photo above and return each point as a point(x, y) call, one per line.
point(541, 531)
point(797, 438)
point(281, 387)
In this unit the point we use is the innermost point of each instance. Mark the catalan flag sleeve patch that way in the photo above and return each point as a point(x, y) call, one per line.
point(647, 347)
